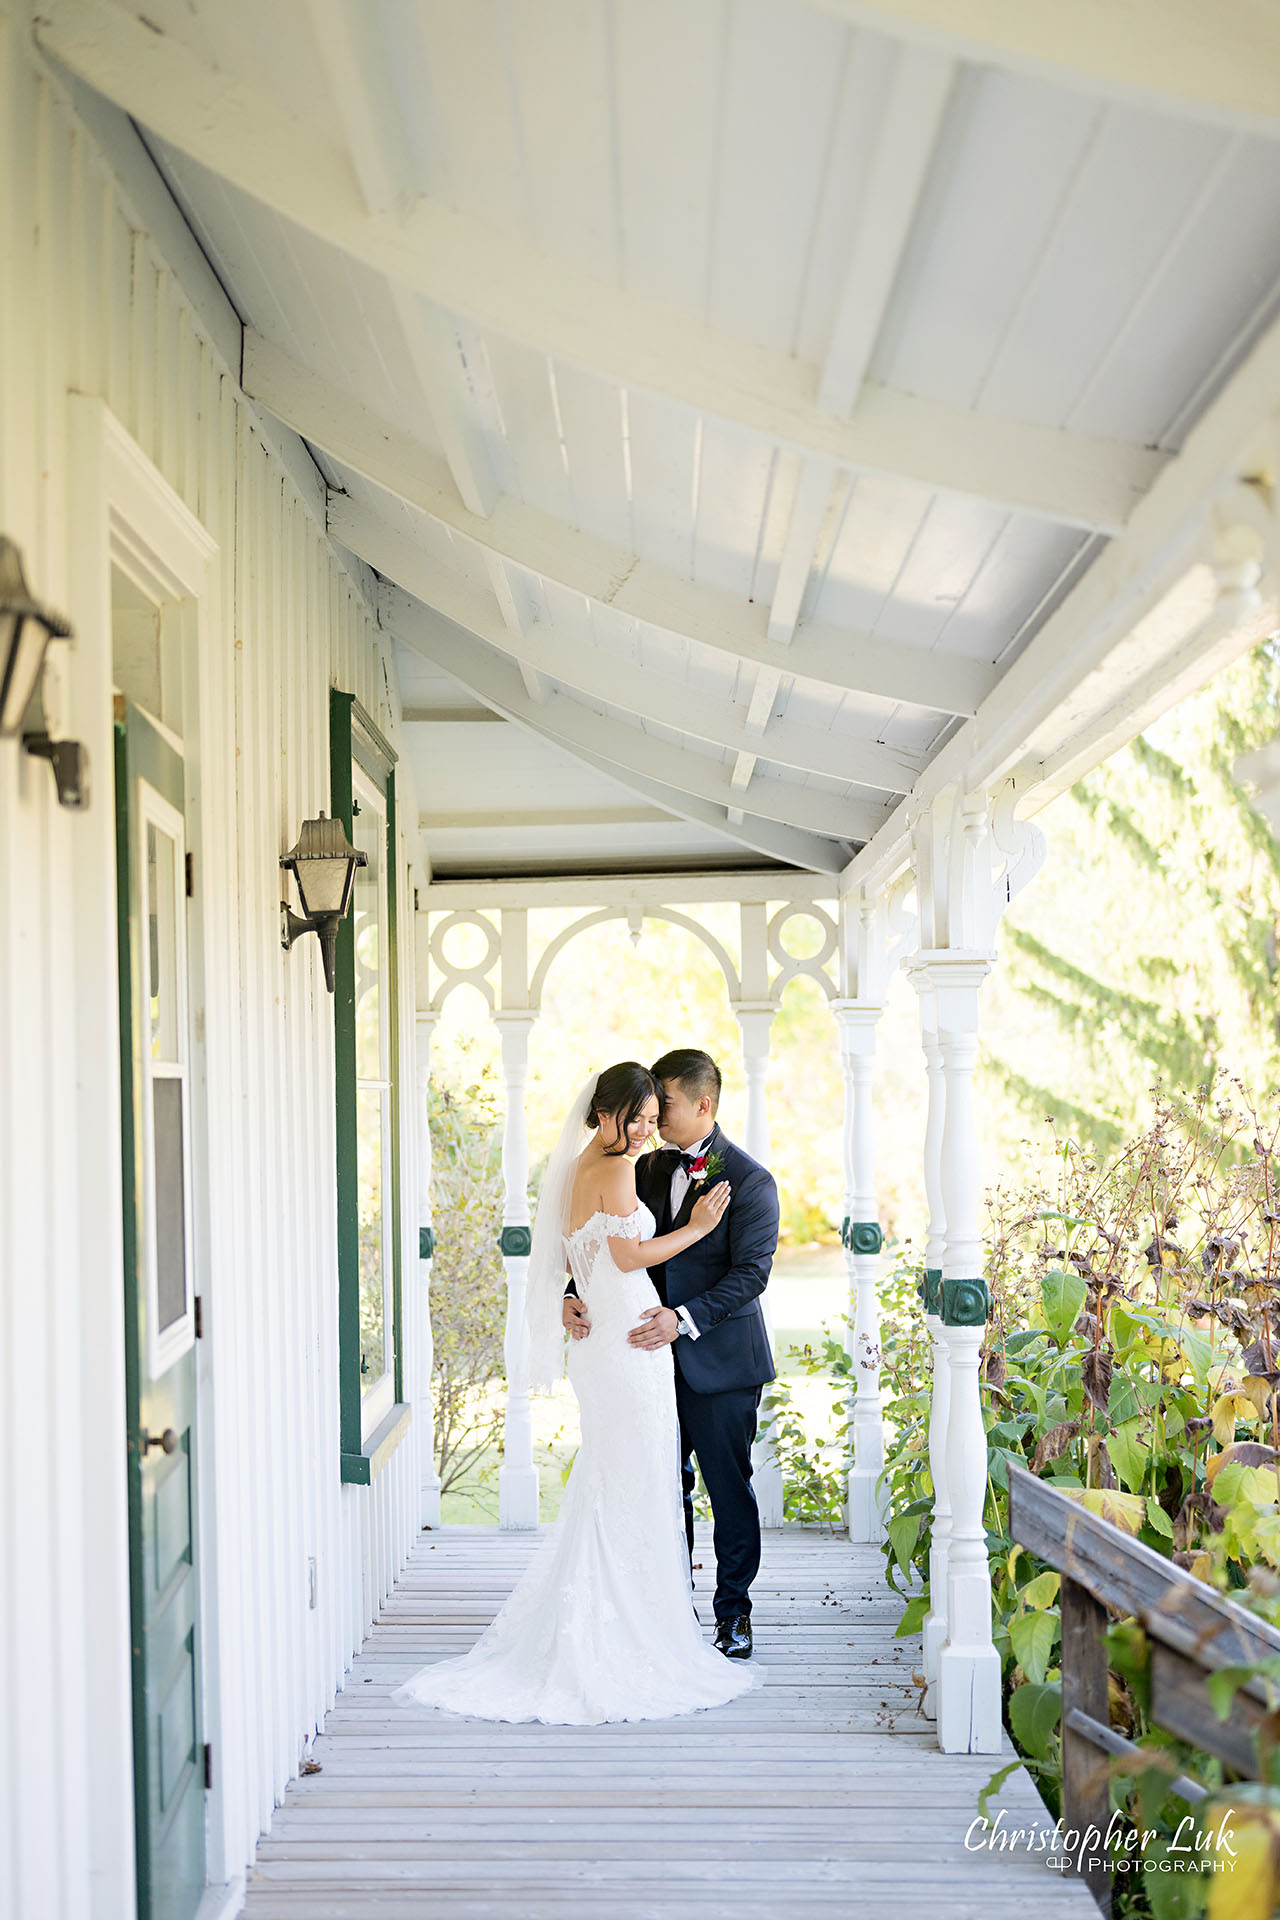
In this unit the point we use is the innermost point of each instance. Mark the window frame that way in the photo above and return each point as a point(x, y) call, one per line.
point(354, 740)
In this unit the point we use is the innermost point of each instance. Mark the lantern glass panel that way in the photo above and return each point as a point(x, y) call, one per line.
point(322, 885)
point(21, 658)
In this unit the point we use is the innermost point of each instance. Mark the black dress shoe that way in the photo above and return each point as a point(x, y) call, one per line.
point(733, 1637)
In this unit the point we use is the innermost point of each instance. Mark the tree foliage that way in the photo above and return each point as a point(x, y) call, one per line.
point(468, 1290)
point(1147, 948)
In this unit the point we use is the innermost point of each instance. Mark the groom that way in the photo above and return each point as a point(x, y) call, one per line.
point(711, 1313)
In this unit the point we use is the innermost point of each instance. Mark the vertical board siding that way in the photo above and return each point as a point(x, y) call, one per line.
point(88, 305)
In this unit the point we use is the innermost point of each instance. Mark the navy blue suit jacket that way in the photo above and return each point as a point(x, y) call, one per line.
point(718, 1280)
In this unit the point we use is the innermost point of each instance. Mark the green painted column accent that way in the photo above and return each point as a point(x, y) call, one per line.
point(865, 1236)
point(516, 1243)
point(965, 1303)
point(931, 1290)
point(844, 1231)
point(426, 1243)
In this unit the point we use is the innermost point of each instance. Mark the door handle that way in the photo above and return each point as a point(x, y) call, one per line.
point(166, 1441)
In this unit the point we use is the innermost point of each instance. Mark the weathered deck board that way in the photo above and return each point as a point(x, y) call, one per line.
point(823, 1790)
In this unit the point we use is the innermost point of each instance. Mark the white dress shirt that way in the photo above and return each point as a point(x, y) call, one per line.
point(679, 1188)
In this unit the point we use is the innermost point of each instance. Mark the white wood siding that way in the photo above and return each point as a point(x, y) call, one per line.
point(89, 306)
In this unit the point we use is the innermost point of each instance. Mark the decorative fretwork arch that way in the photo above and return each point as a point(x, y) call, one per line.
point(634, 919)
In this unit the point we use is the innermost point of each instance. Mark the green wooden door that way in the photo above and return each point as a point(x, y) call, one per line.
point(160, 1367)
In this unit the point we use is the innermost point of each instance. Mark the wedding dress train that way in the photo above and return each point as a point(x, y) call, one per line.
point(601, 1625)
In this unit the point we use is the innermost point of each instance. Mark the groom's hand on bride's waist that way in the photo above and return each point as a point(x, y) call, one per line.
point(658, 1327)
point(573, 1314)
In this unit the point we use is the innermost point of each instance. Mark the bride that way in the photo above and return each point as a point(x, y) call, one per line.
point(601, 1624)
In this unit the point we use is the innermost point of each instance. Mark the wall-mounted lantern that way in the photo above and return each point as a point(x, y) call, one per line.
point(26, 628)
point(324, 865)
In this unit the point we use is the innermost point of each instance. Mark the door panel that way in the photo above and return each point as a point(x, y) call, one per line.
point(159, 1319)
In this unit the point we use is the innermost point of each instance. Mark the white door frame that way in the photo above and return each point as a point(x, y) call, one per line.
point(122, 511)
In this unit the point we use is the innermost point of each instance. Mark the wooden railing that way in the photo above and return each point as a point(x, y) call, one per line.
point(1192, 1631)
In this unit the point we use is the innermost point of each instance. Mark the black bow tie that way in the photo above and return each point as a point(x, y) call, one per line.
point(688, 1160)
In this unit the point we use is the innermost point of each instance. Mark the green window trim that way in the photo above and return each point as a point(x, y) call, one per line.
point(354, 738)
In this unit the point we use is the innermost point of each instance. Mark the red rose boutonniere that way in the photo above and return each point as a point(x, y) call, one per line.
point(707, 1167)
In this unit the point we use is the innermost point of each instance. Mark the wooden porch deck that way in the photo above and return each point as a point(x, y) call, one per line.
point(822, 1792)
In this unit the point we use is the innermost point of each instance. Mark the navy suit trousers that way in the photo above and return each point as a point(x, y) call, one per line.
point(717, 1429)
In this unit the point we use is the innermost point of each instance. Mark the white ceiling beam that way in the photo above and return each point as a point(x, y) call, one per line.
point(506, 821)
point(368, 113)
point(770, 885)
point(607, 676)
point(465, 267)
point(1233, 443)
point(538, 544)
point(1218, 62)
point(808, 823)
point(911, 116)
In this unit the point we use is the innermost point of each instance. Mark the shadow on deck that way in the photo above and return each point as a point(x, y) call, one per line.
point(824, 1792)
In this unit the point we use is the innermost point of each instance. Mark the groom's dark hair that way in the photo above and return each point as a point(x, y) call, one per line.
point(694, 1070)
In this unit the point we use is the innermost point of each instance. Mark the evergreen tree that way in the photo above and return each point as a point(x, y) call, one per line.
point(1146, 950)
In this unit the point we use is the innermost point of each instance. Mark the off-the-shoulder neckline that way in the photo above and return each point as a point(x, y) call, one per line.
point(602, 1214)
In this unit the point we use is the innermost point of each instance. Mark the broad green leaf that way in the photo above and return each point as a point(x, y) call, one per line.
point(1124, 1324)
point(994, 1785)
point(1124, 1510)
point(1034, 1712)
point(1238, 1483)
point(1229, 1408)
point(1130, 1396)
point(1158, 1518)
point(1043, 1590)
point(1130, 1454)
point(912, 1616)
point(904, 1531)
point(1062, 1295)
point(1031, 1635)
point(1196, 1351)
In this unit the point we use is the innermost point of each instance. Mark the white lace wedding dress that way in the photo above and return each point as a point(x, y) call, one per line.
point(601, 1624)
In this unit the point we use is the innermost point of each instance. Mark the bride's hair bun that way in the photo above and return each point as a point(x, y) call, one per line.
point(622, 1091)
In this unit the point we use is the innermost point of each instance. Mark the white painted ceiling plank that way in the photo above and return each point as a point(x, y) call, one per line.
point(600, 675)
point(630, 585)
point(525, 295)
point(368, 114)
point(499, 686)
point(496, 680)
point(1233, 440)
point(1219, 62)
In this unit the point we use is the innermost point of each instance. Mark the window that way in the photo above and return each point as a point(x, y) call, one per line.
point(362, 770)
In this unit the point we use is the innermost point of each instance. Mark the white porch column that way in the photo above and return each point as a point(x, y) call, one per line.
point(968, 1680)
point(755, 1019)
point(862, 1240)
point(517, 1477)
point(934, 1630)
point(429, 1478)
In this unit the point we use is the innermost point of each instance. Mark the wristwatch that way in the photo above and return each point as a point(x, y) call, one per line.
point(681, 1323)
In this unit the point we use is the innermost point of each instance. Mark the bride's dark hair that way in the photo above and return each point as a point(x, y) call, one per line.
point(622, 1091)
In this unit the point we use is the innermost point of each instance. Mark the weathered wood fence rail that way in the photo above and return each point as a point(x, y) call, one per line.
point(1193, 1631)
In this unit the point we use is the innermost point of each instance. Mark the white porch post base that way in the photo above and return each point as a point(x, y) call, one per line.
point(755, 1021)
point(865, 1505)
point(968, 1685)
point(933, 1631)
point(517, 1477)
point(429, 1478)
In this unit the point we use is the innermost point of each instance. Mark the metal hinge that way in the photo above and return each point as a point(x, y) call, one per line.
point(208, 1765)
point(199, 1307)
point(191, 876)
